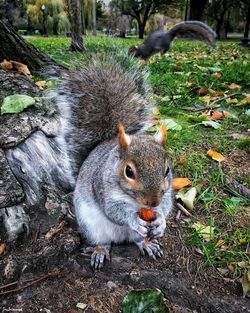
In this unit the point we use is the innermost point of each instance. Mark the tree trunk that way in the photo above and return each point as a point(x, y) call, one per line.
point(14, 47)
point(224, 27)
point(76, 26)
point(196, 9)
point(218, 27)
point(141, 28)
point(94, 17)
point(246, 30)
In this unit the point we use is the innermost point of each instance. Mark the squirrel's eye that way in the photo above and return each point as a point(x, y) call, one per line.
point(167, 171)
point(129, 172)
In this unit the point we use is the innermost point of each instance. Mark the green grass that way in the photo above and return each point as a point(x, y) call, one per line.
point(170, 77)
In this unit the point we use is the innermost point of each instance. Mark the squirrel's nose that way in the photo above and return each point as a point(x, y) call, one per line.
point(152, 201)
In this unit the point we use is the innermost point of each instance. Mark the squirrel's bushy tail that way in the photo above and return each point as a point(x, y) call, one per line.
point(95, 100)
point(193, 30)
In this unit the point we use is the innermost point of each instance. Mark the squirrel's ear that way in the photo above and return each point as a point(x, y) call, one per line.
point(123, 139)
point(161, 136)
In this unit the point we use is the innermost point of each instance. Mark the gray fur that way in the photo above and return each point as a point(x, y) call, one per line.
point(161, 41)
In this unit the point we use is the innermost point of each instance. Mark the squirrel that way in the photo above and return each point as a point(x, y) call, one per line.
point(122, 169)
point(161, 41)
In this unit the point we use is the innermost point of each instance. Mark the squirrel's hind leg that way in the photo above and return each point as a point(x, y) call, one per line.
point(99, 255)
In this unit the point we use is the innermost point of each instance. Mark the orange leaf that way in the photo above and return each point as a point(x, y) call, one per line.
point(219, 93)
point(6, 65)
point(147, 214)
point(179, 183)
point(2, 248)
point(205, 91)
point(217, 75)
point(216, 115)
point(41, 84)
point(216, 155)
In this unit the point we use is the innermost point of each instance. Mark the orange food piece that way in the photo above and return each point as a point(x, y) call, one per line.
point(179, 183)
point(147, 214)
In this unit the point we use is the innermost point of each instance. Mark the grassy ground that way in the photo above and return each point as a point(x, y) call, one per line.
point(176, 79)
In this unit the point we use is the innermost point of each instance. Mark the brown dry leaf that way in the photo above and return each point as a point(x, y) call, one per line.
point(2, 249)
point(217, 75)
point(230, 100)
point(216, 115)
point(178, 68)
point(179, 183)
point(215, 155)
point(234, 86)
point(245, 100)
point(7, 65)
point(41, 84)
point(182, 159)
point(205, 91)
point(22, 68)
point(191, 84)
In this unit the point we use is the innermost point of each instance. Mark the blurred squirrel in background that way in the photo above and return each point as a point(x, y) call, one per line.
point(161, 41)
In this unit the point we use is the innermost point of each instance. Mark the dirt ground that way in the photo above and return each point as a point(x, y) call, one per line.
point(188, 286)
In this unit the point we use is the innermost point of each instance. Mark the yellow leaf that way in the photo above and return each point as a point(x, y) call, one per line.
point(245, 100)
point(215, 155)
point(155, 111)
point(179, 183)
point(245, 283)
point(230, 100)
point(234, 86)
point(220, 243)
point(207, 232)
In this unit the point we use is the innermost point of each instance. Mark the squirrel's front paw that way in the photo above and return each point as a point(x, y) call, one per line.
point(100, 253)
point(152, 247)
point(140, 226)
point(158, 226)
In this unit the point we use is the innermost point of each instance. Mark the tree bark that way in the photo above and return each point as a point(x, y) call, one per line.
point(196, 9)
point(14, 47)
point(141, 28)
point(76, 26)
point(246, 30)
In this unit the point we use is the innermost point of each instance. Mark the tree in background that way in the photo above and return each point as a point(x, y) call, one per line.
point(75, 12)
point(56, 19)
point(140, 10)
point(219, 11)
point(196, 9)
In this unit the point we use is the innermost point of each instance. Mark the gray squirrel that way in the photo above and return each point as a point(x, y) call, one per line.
point(126, 169)
point(161, 41)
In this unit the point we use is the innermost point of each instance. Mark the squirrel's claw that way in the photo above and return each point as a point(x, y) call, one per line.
point(99, 255)
point(152, 247)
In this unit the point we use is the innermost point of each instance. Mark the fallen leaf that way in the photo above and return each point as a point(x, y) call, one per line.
point(148, 300)
point(216, 115)
point(191, 84)
point(41, 84)
point(206, 232)
point(178, 68)
point(16, 103)
point(214, 69)
point(245, 100)
point(245, 283)
point(243, 264)
point(232, 100)
point(219, 93)
point(234, 86)
point(187, 197)
point(182, 159)
point(213, 124)
point(220, 243)
point(205, 91)
point(215, 155)
point(179, 183)
point(217, 75)
point(2, 248)
point(6, 65)
point(81, 306)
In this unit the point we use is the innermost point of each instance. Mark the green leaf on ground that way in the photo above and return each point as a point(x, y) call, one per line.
point(16, 103)
point(206, 232)
point(139, 301)
point(213, 124)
